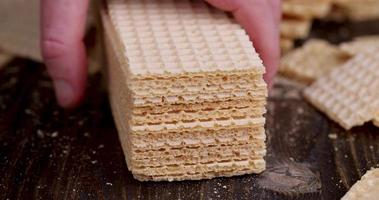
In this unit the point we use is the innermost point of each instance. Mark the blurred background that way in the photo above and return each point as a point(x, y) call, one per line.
point(20, 32)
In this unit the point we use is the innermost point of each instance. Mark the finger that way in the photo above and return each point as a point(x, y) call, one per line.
point(226, 5)
point(63, 50)
point(259, 21)
point(276, 6)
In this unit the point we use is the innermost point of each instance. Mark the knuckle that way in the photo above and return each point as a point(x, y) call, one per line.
point(53, 48)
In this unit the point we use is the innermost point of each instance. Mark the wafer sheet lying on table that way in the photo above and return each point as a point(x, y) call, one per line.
point(365, 189)
point(186, 90)
point(315, 59)
point(360, 44)
point(349, 94)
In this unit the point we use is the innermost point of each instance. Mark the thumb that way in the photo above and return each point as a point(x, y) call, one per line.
point(63, 24)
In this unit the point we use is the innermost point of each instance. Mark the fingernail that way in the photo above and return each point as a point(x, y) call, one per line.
point(64, 93)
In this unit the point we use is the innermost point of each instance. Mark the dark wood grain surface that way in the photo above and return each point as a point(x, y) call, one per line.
point(50, 153)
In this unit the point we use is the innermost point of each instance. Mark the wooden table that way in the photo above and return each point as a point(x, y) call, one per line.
point(50, 153)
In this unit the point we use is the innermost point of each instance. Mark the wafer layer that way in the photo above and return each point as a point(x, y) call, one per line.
point(209, 171)
point(306, 9)
point(186, 90)
point(286, 44)
point(360, 44)
point(357, 10)
point(367, 188)
point(349, 94)
point(198, 147)
point(169, 39)
point(310, 62)
point(295, 28)
point(186, 109)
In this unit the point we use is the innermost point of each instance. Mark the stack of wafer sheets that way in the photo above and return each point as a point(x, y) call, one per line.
point(186, 90)
point(297, 19)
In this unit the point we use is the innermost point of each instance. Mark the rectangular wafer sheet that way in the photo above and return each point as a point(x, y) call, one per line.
point(360, 44)
point(349, 94)
point(312, 61)
point(168, 37)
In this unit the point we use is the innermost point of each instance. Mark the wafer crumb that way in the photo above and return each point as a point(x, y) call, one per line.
point(40, 133)
point(333, 136)
point(54, 134)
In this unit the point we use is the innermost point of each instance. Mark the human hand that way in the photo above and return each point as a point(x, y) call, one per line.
point(261, 20)
point(63, 50)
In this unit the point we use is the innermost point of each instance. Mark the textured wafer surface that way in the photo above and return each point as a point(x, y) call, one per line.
point(312, 61)
point(295, 28)
point(306, 9)
point(360, 44)
point(186, 90)
point(349, 94)
point(163, 38)
point(365, 189)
